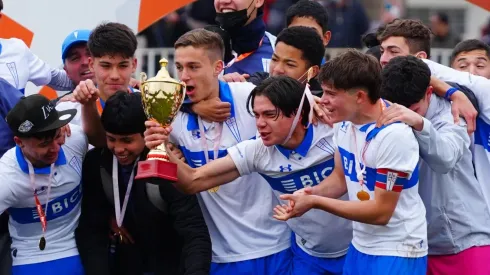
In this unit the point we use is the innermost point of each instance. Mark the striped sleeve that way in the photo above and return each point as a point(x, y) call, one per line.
point(391, 180)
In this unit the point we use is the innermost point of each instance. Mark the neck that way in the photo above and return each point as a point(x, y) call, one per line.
point(368, 113)
point(296, 138)
point(35, 163)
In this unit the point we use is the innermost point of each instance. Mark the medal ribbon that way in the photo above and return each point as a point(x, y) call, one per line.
point(39, 208)
point(216, 142)
point(115, 188)
point(243, 56)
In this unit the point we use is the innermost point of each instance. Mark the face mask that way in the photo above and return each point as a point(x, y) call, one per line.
point(235, 19)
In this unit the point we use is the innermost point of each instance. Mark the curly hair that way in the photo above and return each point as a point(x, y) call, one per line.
point(416, 34)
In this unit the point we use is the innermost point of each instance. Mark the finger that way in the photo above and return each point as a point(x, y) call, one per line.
point(308, 190)
point(314, 121)
point(151, 123)
point(68, 130)
point(286, 197)
point(246, 76)
point(455, 112)
point(471, 123)
point(152, 144)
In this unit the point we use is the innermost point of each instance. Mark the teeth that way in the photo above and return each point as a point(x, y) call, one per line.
point(86, 72)
point(227, 10)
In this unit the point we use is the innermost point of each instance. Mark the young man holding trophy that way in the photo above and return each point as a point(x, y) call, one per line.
point(245, 237)
point(163, 235)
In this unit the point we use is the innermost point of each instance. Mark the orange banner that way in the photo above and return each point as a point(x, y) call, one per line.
point(152, 10)
point(481, 3)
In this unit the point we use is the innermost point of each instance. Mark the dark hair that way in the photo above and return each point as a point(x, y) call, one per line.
point(307, 8)
point(416, 34)
point(201, 38)
point(1, 5)
point(123, 114)
point(443, 17)
point(284, 93)
point(468, 46)
point(371, 42)
point(353, 69)
point(306, 40)
point(228, 51)
point(405, 80)
point(112, 39)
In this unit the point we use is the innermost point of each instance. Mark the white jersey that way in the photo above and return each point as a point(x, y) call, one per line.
point(391, 161)
point(18, 65)
point(239, 213)
point(481, 88)
point(318, 233)
point(16, 196)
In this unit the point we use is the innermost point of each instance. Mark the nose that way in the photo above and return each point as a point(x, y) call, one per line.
point(114, 74)
point(472, 70)
point(260, 122)
point(85, 60)
point(118, 149)
point(385, 58)
point(278, 69)
point(184, 76)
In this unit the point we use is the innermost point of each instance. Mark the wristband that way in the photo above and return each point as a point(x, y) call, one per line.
point(450, 92)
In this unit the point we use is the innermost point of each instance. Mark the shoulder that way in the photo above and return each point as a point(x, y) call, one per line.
point(8, 165)
point(14, 43)
point(241, 87)
point(78, 141)
point(396, 132)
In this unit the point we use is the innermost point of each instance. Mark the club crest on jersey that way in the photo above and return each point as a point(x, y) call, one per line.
point(25, 127)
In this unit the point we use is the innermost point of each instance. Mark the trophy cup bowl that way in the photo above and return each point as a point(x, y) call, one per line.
point(162, 97)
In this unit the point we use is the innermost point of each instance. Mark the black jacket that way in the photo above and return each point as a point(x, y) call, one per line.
point(171, 243)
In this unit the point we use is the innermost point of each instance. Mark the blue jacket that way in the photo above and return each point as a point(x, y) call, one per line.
point(9, 96)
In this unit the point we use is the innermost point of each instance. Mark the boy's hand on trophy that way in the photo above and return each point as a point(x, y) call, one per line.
point(155, 134)
point(85, 92)
point(213, 109)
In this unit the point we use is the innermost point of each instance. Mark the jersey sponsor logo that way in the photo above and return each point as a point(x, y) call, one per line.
point(285, 168)
point(196, 134)
point(371, 174)
point(56, 208)
point(296, 180)
point(391, 180)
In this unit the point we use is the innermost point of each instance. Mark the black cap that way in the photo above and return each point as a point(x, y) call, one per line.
point(35, 114)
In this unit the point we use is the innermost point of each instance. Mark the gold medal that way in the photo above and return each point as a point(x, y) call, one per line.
point(213, 190)
point(42, 243)
point(363, 195)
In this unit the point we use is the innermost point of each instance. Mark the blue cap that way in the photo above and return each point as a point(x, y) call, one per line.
point(73, 38)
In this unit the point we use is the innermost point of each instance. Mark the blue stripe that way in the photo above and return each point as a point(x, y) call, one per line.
point(482, 134)
point(197, 159)
point(348, 162)
point(299, 179)
point(56, 208)
point(61, 160)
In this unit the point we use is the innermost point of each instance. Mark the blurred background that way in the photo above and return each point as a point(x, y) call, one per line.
point(450, 21)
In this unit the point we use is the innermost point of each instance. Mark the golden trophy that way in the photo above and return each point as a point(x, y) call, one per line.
point(162, 98)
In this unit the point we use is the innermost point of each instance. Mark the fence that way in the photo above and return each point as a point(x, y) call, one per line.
point(148, 58)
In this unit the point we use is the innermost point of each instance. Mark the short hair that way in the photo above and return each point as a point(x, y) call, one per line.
point(353, 69)
point(225, 36)
point(371, 42)
point(201, 38)
point(307, 8)
point(416, 34)
point(284, 93)
point(305, 39)
point(405, 80)
point(112, 39)
point(123, 114)
point(468, 46)
point(1, 5)
point(443, 17)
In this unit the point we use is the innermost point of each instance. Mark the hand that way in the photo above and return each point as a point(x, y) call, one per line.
point(213, 109)
point(462, 107)
point(321, 114)
point(155, 134)
point(235, 77)
point(66, 130)
point(176, 151)
point(302, 203)
point(126, 237)
point(399, 113)
point(85, 92)
point(134, 83)
point(65, 98)
point(304, 191)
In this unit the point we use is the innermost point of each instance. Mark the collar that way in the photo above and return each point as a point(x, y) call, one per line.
point(255, 32)
point(374, 132)
point(224, 96)
point(303, 147)
point(40, 171)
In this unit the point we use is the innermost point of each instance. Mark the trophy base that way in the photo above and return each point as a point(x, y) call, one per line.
point(156, 168)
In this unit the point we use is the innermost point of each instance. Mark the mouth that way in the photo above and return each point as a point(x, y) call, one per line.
point(85, 73)
point(190, 90)
point(264, 135)
point(122, 158)
point(226, 10)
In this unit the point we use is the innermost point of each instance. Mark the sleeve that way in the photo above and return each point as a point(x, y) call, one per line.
point(397, 158)
point(78, 140)
point(39, 71)
point(478, 84)
point(190, 225)
point(9, 96)
point(92, 233)
point(60, 80)
point(442, 142)
point(7, 197)
point(245, 156)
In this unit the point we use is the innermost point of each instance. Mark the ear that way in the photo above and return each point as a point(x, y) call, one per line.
point(326, 38)
point(18, 141)
point(64, 67)
point(422, 55)
point(219, 65)
point(315, 69)
point(134, 62)
point(362, 96)
point(259, 3)
point(428, 92)
point(91, 64)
